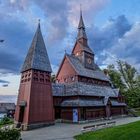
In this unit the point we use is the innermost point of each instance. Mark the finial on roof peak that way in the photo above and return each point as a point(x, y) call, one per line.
point(39, 22)
point(81, 23)
point(80, 9)
point(81, 27)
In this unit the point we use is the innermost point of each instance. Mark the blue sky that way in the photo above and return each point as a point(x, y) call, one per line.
point(112, 26)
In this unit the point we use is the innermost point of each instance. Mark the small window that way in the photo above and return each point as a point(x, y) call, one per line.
point(72, 78)
point(35, 79)
point(42, 75)
point(77, 54)
point(65, 80)
point(41, 80)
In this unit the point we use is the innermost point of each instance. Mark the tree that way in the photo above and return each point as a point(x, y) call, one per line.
point(126, 78)
point(133, 97)
point(128, 74)
point(53, 78)
point(115, 77)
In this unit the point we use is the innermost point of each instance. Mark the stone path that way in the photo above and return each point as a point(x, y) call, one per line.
point(63, 131)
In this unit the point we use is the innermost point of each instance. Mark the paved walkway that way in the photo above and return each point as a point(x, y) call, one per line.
point(63, 131)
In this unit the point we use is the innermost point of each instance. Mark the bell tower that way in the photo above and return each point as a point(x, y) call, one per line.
point(81, 49)
point(35, 102)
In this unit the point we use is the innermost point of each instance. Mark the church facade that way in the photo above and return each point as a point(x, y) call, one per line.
point(82, 91)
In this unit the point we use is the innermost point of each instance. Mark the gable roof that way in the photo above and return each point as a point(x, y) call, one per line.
point(83, 47)
point(65, 56)
point(82, 71)
point(37, 57)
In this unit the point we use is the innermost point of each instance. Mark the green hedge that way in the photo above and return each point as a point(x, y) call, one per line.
point(13, 134)
point(5, 121)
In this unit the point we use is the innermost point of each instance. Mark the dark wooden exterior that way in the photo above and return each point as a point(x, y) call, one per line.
point(69, 73)
point(35, 101)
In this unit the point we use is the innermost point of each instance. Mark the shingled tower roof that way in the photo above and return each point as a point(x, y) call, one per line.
point(81, 28)
point(37, 57)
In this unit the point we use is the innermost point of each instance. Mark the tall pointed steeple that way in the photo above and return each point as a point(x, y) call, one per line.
point(81, 28)
point(81, 49)
point(35, 102)
point(37, 57)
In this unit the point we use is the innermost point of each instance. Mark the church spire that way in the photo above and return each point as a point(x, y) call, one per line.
point(81, 27)
point(37, 57)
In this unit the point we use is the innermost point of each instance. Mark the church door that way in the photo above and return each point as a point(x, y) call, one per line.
point(21, 114)
point(75, 115)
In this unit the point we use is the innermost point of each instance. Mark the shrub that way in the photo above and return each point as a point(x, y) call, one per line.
point(11, 134)
point(5, 121)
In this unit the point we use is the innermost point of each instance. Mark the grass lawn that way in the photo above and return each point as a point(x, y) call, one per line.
point(129, 131)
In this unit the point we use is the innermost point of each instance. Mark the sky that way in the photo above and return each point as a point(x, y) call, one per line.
point(112, 27)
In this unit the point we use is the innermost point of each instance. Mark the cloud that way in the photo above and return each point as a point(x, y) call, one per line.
point(117, 39)
point(10, 63)
point(108, 34)
point(17, 37)
point(4, 82)
point(18, 27)
point(128, 47)
point(56, 15)
point(58, 24)
point(90, 9)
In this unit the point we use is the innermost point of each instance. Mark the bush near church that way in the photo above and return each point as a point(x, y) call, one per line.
point(5, 121)
point(6, 133)
point(13, 134)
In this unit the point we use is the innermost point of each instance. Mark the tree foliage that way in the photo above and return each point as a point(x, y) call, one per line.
point(126, 78)
point(53, 78)
point(128, 74)
point(10, 134)
point(115, 77)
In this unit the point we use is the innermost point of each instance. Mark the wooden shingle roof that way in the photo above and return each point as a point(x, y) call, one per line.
point(37, 57)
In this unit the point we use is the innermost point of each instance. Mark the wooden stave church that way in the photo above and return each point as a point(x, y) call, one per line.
point(82, 91)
